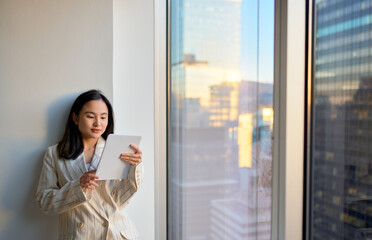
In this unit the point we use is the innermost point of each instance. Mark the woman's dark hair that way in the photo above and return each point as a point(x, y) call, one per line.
point(71, 145)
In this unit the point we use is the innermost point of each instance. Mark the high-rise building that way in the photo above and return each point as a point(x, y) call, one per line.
point(217, 121)
point(341, 188)
point(205, 51)
point(242, 216)
point(246, 214)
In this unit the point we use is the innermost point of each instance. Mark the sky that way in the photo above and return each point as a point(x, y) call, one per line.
point(249, 40)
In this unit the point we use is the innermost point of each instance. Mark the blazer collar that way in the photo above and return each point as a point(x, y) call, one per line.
point(80, 164)
point(97, 153)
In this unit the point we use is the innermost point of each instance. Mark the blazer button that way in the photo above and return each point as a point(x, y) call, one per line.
point(105, 224)
point(80, 225)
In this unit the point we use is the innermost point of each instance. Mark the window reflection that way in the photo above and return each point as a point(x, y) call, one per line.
point(221, 119)
point(341, 203)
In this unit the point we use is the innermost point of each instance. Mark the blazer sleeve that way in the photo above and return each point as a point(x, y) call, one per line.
point(124, 190)
point(53, 199)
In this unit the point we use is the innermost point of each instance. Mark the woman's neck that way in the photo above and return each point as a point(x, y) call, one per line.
point(89, 143)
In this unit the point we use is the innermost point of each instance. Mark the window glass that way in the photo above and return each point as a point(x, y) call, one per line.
point(341, 121)
point(220, 119)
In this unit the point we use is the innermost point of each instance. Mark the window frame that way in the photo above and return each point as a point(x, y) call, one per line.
point(309, 94)
point(160, 105)
point(288, 150)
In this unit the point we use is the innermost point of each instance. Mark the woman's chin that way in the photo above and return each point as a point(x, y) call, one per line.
point(92, 135)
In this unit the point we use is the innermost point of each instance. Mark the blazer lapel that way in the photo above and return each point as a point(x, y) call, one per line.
point(97, 153)
point(95, 201)
point(76, 167)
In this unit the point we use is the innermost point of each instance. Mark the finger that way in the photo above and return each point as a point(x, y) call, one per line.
point(90, 180)
point(87, 176)
point(132, 155)
point(124, 159)
point(135, 147)
point(92, 176)
point(128, 154)
point(135, 158)
point(132, 161)
point(91, 171)
point(91, 187)
point(93, 183)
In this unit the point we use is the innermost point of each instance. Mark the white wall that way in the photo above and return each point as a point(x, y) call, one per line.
point(133, 84)
point(49, 51)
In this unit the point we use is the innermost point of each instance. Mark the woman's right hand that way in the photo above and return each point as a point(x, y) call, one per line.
point(87, 180)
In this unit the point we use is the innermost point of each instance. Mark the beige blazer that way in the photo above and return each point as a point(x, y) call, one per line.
point(96, 214)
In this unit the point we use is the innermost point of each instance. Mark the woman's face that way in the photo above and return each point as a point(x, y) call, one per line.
point(92, 119)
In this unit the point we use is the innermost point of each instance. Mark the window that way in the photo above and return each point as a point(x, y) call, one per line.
point(220, 119)
point(341, 121)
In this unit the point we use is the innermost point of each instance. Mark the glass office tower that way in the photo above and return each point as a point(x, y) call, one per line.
point(341, 129)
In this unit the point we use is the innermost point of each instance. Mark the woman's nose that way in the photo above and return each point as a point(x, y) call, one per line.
point(96, 122)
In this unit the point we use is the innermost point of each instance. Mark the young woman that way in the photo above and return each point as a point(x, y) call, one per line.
point(87, 208)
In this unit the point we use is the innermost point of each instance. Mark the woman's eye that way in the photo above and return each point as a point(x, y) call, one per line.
point(90, 117)
point(103, 118)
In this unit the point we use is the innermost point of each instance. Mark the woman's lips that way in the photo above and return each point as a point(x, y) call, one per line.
point(96, 130)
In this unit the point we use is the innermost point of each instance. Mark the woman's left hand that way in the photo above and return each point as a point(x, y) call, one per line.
point(132, 158)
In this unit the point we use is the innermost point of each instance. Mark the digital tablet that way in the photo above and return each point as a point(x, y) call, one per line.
point(110, 165)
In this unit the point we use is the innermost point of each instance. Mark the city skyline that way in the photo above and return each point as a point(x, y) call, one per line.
point(220, 125)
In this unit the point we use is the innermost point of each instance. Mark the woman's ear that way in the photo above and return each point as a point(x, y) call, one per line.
point(75, 118)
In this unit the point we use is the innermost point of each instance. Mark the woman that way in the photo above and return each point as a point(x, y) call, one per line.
point(68, 186)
